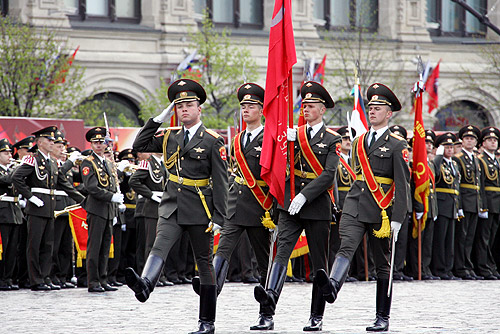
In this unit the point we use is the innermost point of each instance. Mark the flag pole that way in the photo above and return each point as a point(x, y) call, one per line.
point(291, 155)
point(419, 249)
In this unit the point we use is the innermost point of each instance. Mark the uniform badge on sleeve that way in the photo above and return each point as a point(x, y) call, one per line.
point(337, 149)
point(223, 153)
point(406, 155)
point(85, 171)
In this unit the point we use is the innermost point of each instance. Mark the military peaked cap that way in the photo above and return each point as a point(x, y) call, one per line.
point(185, 90)
point(313, 92)
point(379, 94)
point(251, 93)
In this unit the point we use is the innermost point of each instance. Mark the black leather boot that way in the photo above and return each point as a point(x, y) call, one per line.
point(330, 286)
point(383, 307)
point(143, 286)
point(315, 322)
point(265, 321)
point(221, 266)
point(208, 301)
point(269, 297)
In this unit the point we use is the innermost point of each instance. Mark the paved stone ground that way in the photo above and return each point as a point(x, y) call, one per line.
point(418, 307)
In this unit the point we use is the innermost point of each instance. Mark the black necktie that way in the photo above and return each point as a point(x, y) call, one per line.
point(186, 138)
point(372, 141)
point(309, 133)
point(249, 135)
point(451, 167)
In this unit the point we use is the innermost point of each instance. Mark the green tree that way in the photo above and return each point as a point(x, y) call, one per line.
point(225, 68)
point(38, 77)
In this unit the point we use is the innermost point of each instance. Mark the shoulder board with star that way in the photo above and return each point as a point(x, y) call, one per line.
point(212, 133)
point(28, 160)
point(397, 136)
point(144, 164)
point(332, 132)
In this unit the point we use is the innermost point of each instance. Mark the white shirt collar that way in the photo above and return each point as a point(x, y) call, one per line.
point(492, 156)
point(448, 160)
point(100, 158)
point(192, 130)
point(254, 132)
point(158, 160)
point(468, 153)
point(47, 157)
point(345, 156)
point(380, 132)
point(315, 128)
point(4, 167)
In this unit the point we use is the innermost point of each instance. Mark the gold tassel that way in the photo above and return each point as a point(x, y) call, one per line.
point(1, 251)
point(289, 270)
point(79, 263)
point(267, 221)
point(112, 251)
point(385, 230)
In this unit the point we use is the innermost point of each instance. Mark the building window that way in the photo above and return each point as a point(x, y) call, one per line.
point(4, 7)
point(346, 14)
point(127, 11)
point(237, 13)
point(453, 20)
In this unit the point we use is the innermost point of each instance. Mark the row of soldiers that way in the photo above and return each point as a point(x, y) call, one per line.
point(191, 192)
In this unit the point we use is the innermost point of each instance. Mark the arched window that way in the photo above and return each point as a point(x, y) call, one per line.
point(457, 114)
point(120, 110)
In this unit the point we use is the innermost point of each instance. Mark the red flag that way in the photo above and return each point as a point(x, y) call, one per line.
point(421, 170)
point(61, 76)
point(319, 74)
point(431, 87)
point(278, 98)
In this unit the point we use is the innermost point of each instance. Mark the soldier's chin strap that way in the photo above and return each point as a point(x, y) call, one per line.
point(391, 274)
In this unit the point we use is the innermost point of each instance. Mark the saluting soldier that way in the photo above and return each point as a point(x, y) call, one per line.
point(447, 191)
point(194, 197)
point(377, 202)
point(316, 159)
point(428, 230)
point(11, 219)
point(471, 203)
point(37, 179)
point(101, 181)
point(487, 227)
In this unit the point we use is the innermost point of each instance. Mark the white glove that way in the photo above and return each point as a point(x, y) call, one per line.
point(483, 214)
point(440, 150)
point(35, 200)
point(117, 198)
point(156, 198)
point(216, 227)
point(124, 227)
point(74, 156)
point(165, 114)
point(22, 203)
point(122, 164)
point(291, 134)
point(460, 213)
point(297, 204)
point(115, 221)
point(122, 208)
point(419, 215)
point(395, 227)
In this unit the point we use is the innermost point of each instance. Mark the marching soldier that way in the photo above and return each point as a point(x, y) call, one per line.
point(249, 201)
point(101, 181)
point(37, 179)
point(447, 191)
point(194, 197)
point(428, 232)
point(380, 161)
point(487, 227)
point(471, 203)
point(316, 158)
point(11, 219)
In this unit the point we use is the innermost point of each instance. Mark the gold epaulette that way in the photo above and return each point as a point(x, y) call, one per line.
point(397, 136)
point(174, 128)
point(332, 132)
point(212, 133)
point(90, 158)
point(459, 154)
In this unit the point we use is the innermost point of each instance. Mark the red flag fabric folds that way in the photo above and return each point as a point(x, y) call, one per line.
point(431, 87)
point(281, 59)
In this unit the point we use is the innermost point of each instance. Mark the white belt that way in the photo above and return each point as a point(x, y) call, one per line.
point(43, 191)
point(14, 199)
point(158, 193)
point(60, 193)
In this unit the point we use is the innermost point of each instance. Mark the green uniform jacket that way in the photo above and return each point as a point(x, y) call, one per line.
point(318, 205)
point(470, 174)
point(101, 185)
point(491, 178)
point(386, 157)
point(447, 202)
point(37, 172)
point(204, 157)
point(10, 212)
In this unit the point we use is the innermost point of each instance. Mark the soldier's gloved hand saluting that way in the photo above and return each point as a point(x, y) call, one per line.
point(165, 114)
point(395, 227)
point(35, 200)
point(297, 204)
